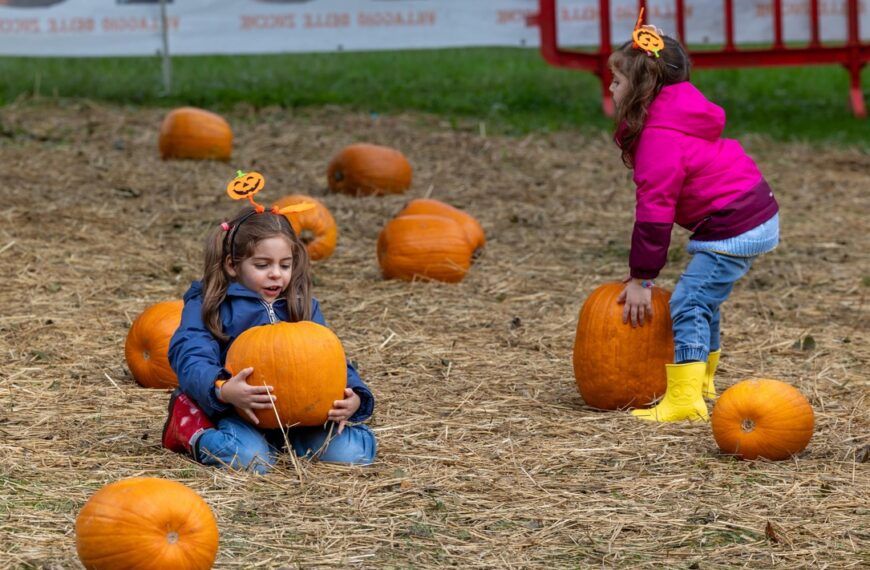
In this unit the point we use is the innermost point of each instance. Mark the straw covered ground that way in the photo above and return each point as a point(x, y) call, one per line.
point(488, 457)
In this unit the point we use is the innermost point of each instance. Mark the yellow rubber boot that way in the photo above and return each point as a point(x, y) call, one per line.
point(712, 364)
point(683, 398)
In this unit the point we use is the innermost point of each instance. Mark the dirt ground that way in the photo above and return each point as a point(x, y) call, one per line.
point(488, 457)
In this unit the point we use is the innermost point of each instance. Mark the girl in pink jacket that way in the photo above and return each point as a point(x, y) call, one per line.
point(685, 173)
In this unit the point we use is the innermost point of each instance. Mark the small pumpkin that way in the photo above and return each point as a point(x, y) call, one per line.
point(316, 227)
point(194, 133)
point(305, 363)
point(369, 170)
point(470, 225)
point(146, 523)
point(762, 418)
point(617, 366)
point(433, 247)
point(147, 347)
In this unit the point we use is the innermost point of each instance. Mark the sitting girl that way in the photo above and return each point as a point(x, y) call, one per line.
point(256, 272)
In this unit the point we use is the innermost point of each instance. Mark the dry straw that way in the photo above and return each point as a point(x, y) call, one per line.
point(488, 458)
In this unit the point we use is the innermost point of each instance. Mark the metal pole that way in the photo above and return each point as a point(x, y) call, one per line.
point(167, 61)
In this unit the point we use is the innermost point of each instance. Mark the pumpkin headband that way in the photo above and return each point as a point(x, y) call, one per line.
point(244, 186)
point(647, 38)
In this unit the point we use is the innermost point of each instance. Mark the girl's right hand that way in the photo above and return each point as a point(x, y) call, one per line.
point(247, 398)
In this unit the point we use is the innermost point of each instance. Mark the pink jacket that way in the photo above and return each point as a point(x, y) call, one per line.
point(686, 174)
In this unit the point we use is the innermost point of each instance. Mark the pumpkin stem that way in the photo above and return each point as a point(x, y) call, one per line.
point(338, 175)
point(172, 537)
point(748, 425)
point(307, 236)
point(240, 173)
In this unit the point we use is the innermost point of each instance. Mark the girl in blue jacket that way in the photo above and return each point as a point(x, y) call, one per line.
point(256, 272)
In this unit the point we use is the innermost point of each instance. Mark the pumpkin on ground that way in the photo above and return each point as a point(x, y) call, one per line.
point(369, 170)
point(762, 418)
point(617, 366)
point(316, 227)
point(148, 524)
point(470, 225)
point(194, 133)
point(147, 347)
point(432, 247)
point(303, 361)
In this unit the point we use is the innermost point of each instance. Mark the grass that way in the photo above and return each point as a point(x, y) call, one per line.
point(512, 90)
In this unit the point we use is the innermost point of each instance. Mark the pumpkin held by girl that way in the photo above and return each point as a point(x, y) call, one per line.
point(146, 523)
point(303, 361)
point(617, 366)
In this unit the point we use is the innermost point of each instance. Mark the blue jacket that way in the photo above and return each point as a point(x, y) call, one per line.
point(198, 358)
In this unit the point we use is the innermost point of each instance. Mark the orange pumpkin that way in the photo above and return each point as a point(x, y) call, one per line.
point(189, 132)
point(470, 225)
point(762, 418)
point(367, 169)
point(147, 347)
point(316, 227)
point(148, 524)
point(432, 247)
point(617, 366)
point(304, 362)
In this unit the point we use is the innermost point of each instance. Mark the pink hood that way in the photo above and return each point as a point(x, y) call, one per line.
point(683, 170)
point(683, 108)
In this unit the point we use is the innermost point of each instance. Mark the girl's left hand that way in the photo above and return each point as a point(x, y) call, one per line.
point(638, 303)
point(342, 410)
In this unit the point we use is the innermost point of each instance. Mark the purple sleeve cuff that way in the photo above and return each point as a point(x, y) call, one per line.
point(649, 248)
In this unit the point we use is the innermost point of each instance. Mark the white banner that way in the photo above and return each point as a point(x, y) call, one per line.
point(133, 27)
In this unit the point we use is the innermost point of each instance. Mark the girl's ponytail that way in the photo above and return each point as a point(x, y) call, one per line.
point(214, 283)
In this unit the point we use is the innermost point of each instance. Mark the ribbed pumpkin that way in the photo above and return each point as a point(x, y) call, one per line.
point(617, 366)
point(305, 363)
point(147, 346)
point(315, 227)
point(368, 169)
point(194, 133)
point(432, 247)
point(762, 418)
point(428, 206)
point(148, 524)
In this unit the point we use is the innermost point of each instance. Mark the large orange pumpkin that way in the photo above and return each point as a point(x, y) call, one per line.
point(189, 132)
point(367, 169)
point(617, 366)
point(304, 362)
point(762, 418)
point(432, 247)
point(316, 227)
point(148, 524)
point(469, 223)
point(147, 346)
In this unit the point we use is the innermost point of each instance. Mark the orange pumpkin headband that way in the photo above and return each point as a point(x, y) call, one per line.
point(244, 186)
point(647, 38)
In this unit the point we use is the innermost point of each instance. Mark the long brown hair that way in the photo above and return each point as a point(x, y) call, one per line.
point(646, 76)
point(246, 230)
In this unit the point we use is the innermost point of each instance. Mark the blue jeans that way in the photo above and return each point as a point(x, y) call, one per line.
point(237, 444)
point(695, 303)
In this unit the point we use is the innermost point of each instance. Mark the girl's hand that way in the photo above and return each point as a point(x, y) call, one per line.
point(247, 398)
point(638, 303)
point(344, 409)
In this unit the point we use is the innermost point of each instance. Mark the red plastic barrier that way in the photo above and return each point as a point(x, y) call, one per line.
point(853, 54)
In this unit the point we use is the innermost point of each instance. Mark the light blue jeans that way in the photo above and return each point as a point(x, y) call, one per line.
point(237, 444)
point(695, 303)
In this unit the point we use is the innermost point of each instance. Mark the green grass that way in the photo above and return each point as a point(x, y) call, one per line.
point(512, 90)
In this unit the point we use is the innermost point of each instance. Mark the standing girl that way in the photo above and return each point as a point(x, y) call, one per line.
point(256, 272)
point(670, 134)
